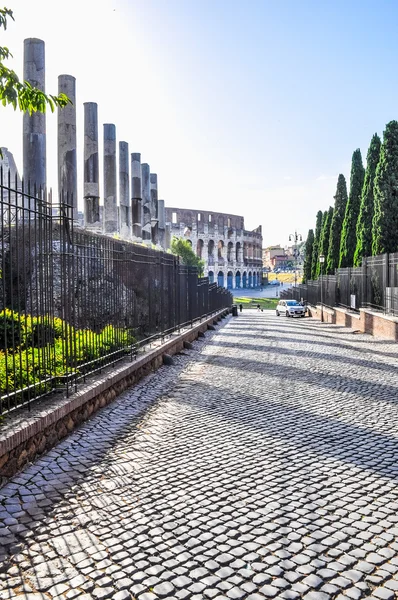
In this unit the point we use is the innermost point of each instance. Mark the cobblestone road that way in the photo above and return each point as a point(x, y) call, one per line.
point(262, 465)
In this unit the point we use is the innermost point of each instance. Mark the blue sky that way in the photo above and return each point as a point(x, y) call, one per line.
point(251, 108)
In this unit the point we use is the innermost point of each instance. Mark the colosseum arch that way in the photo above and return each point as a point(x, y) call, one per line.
point(210, 250)
point(238, 249)
point(220, 279)
point(250, 282)
point(199, 248)
point(220, 249)
point(211, 276)
point(237, 279)
point(244, 279)
point(230, 279)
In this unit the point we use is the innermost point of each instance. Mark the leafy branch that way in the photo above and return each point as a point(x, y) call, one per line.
point(22, 95)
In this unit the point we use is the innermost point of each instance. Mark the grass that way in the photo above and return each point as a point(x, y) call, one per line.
point(285, 277)
point(265, 303)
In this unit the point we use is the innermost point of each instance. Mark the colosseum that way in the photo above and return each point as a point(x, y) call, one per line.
point(232, 255)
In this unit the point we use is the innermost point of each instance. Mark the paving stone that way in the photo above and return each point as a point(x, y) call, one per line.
point(392, 585)
point(226, 489)
point(353, 593)
point(103, 593)
point(353, 574)
point(312, 581)
point(122, 595)
point(236, 592)
point(269, 591)
point(383, 593)
point(125, 583)
point(163, 589)
point(181, 582)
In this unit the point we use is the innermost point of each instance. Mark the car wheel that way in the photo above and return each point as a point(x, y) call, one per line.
point(277, 313)
point(287, 313)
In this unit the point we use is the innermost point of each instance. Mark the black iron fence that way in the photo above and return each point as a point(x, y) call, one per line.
point(72, 301)
point(373, 285)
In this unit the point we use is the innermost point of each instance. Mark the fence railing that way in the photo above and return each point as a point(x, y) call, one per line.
point(373, 285)
point(72, 301)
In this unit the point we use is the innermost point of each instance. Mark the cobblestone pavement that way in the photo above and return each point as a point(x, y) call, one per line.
point(262, 465)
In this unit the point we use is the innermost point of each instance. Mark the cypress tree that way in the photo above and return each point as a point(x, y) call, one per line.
point(340, 202)
point(315, 251)
point(309, 248)
point(324, 239)
point(366, 210)
point(349, 230)
point(385, 218)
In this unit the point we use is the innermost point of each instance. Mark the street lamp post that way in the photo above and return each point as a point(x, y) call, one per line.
point(296, 237)
point(321, 260)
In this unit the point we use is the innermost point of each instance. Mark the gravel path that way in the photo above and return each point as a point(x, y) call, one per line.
point(262, 465)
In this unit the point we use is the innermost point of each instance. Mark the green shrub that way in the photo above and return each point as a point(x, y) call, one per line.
point(11, 329)
point(46, 348)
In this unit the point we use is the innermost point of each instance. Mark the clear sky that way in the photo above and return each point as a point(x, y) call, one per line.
point(251, 108)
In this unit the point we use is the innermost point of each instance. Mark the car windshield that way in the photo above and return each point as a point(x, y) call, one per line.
point(292, 303)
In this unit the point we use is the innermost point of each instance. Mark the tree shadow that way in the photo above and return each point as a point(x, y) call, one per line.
point(299, 427)
point(362, 363)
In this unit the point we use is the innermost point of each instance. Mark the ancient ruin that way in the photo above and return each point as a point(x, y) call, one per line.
point(232, 255)
point(34, 125)
point(129, 207)
point(67, 163)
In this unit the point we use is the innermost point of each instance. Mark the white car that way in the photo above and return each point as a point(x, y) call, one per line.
point(290, 308)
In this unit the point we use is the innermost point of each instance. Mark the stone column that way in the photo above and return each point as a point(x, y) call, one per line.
point(146, 204)
point(110, 199)
point(67, 165)
point(136, 195)
point(124, 191)
point(91, 171)
point(154, 207)
point(34, 126)
point(161, 223)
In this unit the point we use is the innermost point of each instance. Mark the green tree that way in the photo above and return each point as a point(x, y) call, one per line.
point(309, 248)
point(315, 251)
point(340, 202)
point(182, 248)
point(385, 218)
point(325, 237)
point(349, 230)
point(20, 94)
point(366, 210)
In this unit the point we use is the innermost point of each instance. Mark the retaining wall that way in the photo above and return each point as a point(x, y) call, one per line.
point(366, 321)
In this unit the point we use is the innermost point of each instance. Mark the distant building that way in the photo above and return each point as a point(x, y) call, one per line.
point(275, 257)
point(232, 255)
